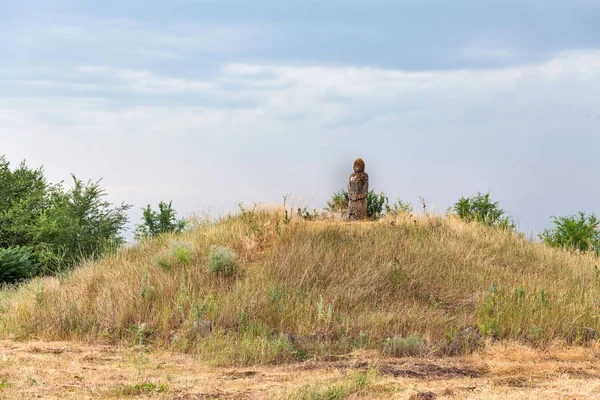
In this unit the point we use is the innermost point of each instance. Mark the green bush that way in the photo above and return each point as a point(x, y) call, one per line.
point(222, 261)
point(339, 202)
point(162, 221)
point(60, 226)
point(375, 203)
point(577, 232)
point(480, 208)
point(16, 264)
point(182, 252)
point(399, 207)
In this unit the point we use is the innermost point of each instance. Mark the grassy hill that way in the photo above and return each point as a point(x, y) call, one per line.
point(302, 289)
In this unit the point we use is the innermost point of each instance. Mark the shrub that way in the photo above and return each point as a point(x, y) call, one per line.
point(577, 232)
point(339, 202)
point(375, 203)
point(399, 207)
point(79, 225)
point(399, 346)
point(60, 226)
point(164, 261)
point(222, 261)
point(182, 252)
point(178, 253)
point(157, 222)
point(15, 264)
point(480, 208)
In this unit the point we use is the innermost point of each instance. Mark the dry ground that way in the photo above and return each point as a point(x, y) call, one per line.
point(69, 370)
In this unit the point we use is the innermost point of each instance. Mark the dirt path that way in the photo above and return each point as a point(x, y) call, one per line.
point(63, 370)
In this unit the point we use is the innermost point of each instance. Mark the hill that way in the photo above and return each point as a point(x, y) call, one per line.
point(298, 289)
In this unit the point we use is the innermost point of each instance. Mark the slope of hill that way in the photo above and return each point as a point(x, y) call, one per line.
point(407, 286)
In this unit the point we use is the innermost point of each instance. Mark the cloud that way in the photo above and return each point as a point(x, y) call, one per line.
point(256, 131)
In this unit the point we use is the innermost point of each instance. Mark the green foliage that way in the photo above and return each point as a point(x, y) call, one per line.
point(182, 252)
point(61, 226)
point(339, 202)
point(397, 208)
point(78, 225)
point(376, 203)
point(222, 261)
point(480, 208)
point(577, 232)
point(162, 221)
point(24, 195)
point(15, 264)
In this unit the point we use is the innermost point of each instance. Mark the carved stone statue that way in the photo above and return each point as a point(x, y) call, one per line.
point(358, 187)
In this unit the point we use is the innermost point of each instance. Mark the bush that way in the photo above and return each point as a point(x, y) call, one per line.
point(339, 202)
point(60, 226)
point(222, 261)
point(16, 264)
point(375, 203)
point(577, 232)
point(399, 207)
point(157, 222)
point(182, 252)
point(78, 225)
point(480, 208)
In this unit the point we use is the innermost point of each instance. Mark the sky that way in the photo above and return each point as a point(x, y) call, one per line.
point(210, 103)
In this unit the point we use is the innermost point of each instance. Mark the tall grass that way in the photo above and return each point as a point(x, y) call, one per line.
point(304, 289)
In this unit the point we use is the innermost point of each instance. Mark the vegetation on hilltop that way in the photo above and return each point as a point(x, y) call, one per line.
point(270, 285)
point(300, 289)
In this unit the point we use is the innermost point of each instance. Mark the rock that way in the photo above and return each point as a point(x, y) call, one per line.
point(358, 188)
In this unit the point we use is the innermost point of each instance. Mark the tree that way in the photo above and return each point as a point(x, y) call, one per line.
point(577, 232)
point(162, 221)
point(24, 194)
point(79, 224)
point(57, 227)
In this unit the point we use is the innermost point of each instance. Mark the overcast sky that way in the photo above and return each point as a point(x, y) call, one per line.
point(212, 102)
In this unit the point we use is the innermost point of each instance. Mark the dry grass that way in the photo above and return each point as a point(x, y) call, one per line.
point(59, 370)
point(315, 290)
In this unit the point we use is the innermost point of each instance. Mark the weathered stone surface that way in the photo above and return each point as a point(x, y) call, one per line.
point(358, 188)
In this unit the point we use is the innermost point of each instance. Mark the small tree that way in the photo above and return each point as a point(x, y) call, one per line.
point(162, 221)
point(79, 224)
point(482, 209)
point(577, 232)
point(59, 227)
